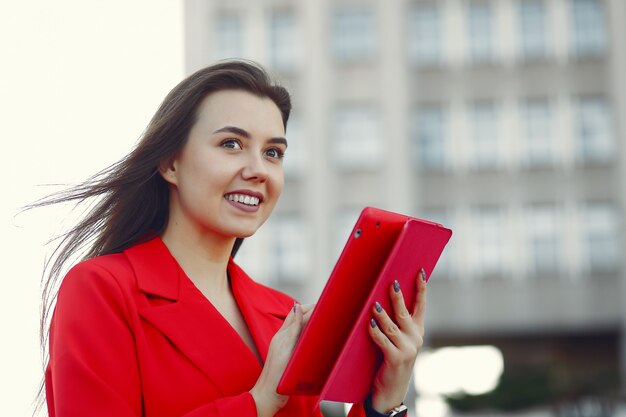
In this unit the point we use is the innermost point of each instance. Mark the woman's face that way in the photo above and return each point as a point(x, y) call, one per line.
point(229, 175)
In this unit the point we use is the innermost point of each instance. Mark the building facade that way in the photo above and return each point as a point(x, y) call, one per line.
point(502, 119)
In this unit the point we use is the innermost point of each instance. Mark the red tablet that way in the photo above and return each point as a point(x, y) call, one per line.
point(335, 356)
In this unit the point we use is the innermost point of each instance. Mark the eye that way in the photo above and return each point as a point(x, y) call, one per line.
point(231, 144)
point(275, 153)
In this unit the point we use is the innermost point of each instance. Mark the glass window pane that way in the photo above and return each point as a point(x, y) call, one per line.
point(353, 36)
point(343, 223)
point(488, 250)
point(484, 135)
point(480, 26)
point(291, 248)
point(594, 135)
point(537, 132)
point(295, 161)
point(602, 242)
point(442, 216)
point(356, 141)
point(429, 128)
point(424, 41)
point(283, 40)
point(544, 239)
point(229, 36)
point(533, 29)
point(588, 28)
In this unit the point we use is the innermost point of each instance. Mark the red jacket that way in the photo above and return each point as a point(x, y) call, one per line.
point(132, 336)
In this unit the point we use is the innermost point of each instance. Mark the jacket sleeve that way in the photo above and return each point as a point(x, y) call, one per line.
point(93, 368)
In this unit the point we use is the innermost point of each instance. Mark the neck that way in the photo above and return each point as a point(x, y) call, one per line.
point(203, 256)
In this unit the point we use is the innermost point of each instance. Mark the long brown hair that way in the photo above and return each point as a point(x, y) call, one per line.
point(133, 200)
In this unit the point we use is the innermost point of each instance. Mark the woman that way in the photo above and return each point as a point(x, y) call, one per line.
point(159, 320)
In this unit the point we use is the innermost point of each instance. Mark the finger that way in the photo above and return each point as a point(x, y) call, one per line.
point(296, 326)
point(297, 309)
point(307, 316)
point(401, 313)
point(381, 340)
point(307, 308)
point(420, 299)
point(291, 316)
point(387, 326)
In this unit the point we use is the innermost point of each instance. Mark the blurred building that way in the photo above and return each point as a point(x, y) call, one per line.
point(502, 119)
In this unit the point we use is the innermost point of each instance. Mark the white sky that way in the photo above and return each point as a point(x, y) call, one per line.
point(79, 81)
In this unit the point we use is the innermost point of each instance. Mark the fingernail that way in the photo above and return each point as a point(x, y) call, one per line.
point(396, 286)
point(423, 275)
point(294, 306)
point(373, 323)
point(378, 307)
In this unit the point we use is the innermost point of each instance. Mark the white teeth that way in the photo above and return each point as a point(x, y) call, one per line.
point(244, 199)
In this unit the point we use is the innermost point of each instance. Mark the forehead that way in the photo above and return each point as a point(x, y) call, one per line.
point(240, 109)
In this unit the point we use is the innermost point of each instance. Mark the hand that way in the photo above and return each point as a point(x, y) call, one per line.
point(267, 400)
point(400, 341)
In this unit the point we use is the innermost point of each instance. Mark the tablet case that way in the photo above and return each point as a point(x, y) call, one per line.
point(335, 356)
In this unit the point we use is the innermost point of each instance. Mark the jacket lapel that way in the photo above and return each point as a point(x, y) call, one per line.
point(263, 311)
point(183, 315)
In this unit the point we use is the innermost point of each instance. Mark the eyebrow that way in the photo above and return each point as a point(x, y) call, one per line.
point(244, 133)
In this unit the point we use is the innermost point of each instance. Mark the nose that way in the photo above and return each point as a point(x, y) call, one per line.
point(255, 168)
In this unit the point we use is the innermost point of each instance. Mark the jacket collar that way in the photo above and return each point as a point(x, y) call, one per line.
point(159, 274)
point(156, 269)
point(184, 312)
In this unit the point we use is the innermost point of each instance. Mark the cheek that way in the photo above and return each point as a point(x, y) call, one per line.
point(202, 185)
point(278, 182)
point(212, 175)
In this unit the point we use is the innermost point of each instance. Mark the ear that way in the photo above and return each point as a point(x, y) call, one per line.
point(167, 169)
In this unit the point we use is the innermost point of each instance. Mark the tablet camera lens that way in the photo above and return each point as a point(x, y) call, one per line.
point(357, 233)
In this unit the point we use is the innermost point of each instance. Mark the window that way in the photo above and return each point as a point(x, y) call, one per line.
point(356, 141)
point(429, 128)
point(442, 216)
point(485, 145)
point(295, 157)
point(283, 41)
point(594, 136)
point(424, 41)
point(544, 239)
point(533, 29)
point(291, 248)
point(353, 34)
point(229, 37)
point(602, 231)
point(588, 30)
point(488, 249)
point(480, 26)
point(537, 133)
point(343, 223)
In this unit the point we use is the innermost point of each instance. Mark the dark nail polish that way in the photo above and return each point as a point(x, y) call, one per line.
point(378, 307)
point(396, 286)
point(423, 275)
point(294, 306)
point(373, 323)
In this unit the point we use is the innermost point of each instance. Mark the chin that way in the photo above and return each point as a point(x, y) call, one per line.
point(245, 235)
point(243, 232)
point(241, 229)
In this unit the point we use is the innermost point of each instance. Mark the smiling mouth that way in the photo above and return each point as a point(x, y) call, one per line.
point(243, 199)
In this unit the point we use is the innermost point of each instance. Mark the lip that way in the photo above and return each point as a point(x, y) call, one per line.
point(248, 192)
point(243, 207)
